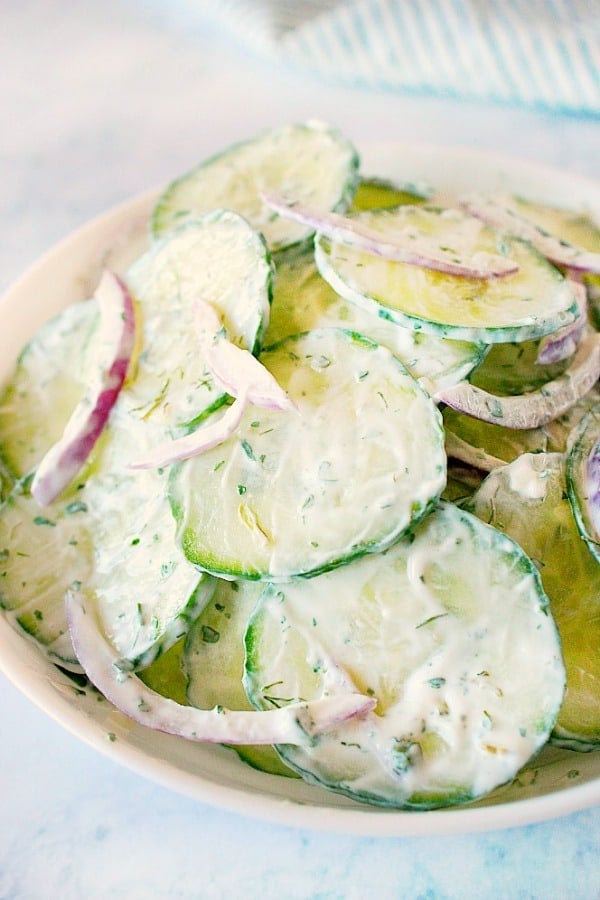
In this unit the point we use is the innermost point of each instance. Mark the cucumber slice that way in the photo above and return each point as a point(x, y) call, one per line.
point(309, 162)
point(380, 193)
point(449, 631)
point(576, 228)
point(42, 554)
point(528, 501)
point(281, 498)
point(303, 300)
point(583, 466)
point(48, 382)
point(145, 591)
point(534, 301)
point(510, 369)
point(218, 258)
point(213, 662)
point(165, 674)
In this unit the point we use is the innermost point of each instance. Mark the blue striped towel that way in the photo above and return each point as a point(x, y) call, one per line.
point(543, 53)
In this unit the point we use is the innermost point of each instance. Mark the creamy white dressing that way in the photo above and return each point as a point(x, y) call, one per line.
point(527, 479)
point(450, 633)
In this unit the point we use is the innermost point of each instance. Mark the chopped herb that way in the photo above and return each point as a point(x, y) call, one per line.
point(42, 520)
point(75, 507)
point(241, 489)
point(210, 635)
point(431, 618)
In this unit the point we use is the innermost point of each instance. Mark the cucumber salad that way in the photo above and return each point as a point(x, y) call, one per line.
point(317, 476)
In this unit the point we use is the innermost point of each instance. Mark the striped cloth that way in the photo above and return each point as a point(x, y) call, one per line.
point(542, 53)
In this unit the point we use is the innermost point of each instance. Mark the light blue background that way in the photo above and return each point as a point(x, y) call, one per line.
point(98, 103)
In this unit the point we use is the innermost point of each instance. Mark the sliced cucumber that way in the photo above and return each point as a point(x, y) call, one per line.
point(528, 501)
point(583, 479)
point(536, 408)
point(213, 662)
point(297, 492)
point(381, 193)
point(449, 631)
point(42, 554)
point(303, 300)
point(511, 368)
point(47, 383)
point(165, 674)
point(576, 228)
point(145, 591)
point(220, 259)
point(534, 301)
point(310, 162)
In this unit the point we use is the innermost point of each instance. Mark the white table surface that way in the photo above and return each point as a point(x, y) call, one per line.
point(100, 101)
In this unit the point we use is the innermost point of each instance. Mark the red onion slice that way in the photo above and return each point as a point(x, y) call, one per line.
point(475, 457)
point(204, 438)
point(563, 343)
point(538, 407)
point(557, 251)
point(415, 250)
point(116, 340)
point(236, 369)
point(292, 724)
point(239, 373)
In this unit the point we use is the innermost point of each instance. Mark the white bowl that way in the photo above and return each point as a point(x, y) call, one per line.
point(556, 783)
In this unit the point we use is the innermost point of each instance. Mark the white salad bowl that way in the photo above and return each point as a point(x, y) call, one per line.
point(557, 782)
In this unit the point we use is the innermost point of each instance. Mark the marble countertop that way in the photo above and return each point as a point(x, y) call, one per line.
point(102, 101)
